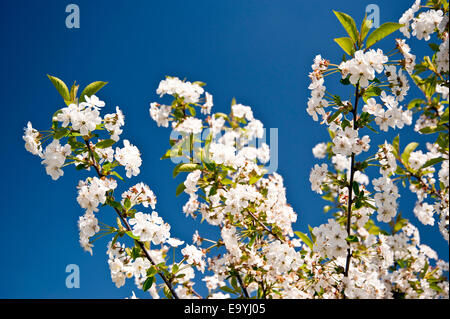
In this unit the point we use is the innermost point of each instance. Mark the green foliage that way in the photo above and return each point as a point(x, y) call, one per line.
point(91, 89)
point(60, 86)
point(346, 44)
point(381, 32)
point(349, 25)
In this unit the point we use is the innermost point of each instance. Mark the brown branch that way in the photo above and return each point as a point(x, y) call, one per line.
point(128, 227)
point(350, 186)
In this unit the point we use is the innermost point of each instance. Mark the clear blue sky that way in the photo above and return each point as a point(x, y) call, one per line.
point(257, 51)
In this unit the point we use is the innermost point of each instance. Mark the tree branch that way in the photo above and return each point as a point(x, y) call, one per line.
point(350, 186)
point(128, 227)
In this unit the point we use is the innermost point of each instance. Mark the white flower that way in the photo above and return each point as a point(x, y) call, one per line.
point(426, 23)
point(160, 113)
point(175, 242)
point(443, 90)
point(442, 56)
point(191, 181)
point(85, 120)
point(424, 213)
point(410, 59)
point(113, 123)
point(242, 111)
point(372, 107)
point(407, 17)
point(88, 227)
point(54, 157)
point(150, 228)
point(216, 124)
point(140, 194)
point(130, 157)
point(92, 192)
point(190, 125)
point(222, 154)
point(194, 256)
point(191, 206)
point(206, 108)
point(417, 160)
point(94, 101)
point(363, 66)
point(231, 242)
point(320, 150)
point(317, 176)
point(32, 140)
point(330, 240)
point(140, 266)
point(173, 86)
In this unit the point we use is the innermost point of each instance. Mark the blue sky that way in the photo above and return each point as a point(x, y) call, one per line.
point(257, 51)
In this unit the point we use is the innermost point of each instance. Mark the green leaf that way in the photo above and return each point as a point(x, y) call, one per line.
point(180, 189)
point(226, 181)
point(434, 47)
point(254, 179)
point(189, 167)
point(407, 152)
point(60, 134)
point(313, 237)
point(105, 143)
point(334, 116)
point(352, 239)
point(129, 233)
point(396, 145)
point(152, 271)
point(114, 204)
point(117, 174)
point(61, 87)
point(370, 92)
point(415, 103)
point(346, 44)
point(349, 25)
point(356, 188)
point(127, 203)
point(148, 283)
point(305, 239)
point(227, 289)
point(433, 161)
point(365, 28)
point(383, 31)
point(91, 89)
point(435, 129)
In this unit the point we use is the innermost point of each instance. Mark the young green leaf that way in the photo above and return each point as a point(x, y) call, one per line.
point(91, 89)
point(365, 28)
point(148, 283)
point(305, 239)
point(60, 86)
point(383, 31)
point(346, 44)
point(105, 143)
point(349, 25)
point(408, 149)
point(433, 161)
point(180, 189)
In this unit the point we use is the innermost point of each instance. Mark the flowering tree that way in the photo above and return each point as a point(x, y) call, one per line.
point(256, 253)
